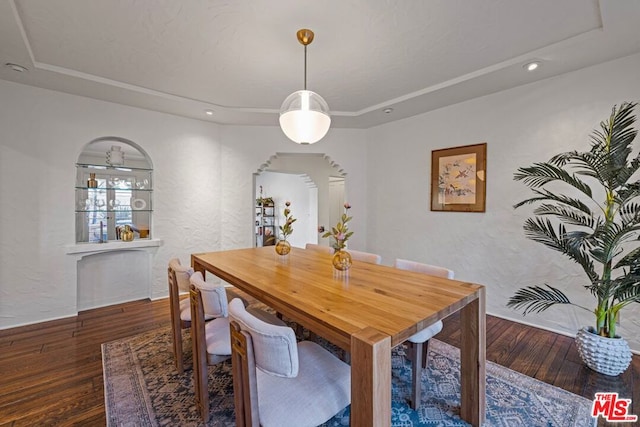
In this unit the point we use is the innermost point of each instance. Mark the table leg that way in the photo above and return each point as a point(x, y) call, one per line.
point(198, 267)
point(473, 361)
point(370, 379)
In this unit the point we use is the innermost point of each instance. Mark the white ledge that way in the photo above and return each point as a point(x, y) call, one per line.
point(114, 245)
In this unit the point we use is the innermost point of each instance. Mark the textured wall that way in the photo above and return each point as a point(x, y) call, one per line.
point(521, 126)
point(203, 191)
point(203, 198)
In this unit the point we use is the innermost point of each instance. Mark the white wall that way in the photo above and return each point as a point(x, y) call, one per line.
point(203, 190)
point(523, 125)
point(203, 194)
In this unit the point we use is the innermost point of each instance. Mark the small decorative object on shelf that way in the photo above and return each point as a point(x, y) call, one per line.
point(115, 156)
point(143, 231)
point(283, 247)
point(340, 234)
point(103, 233)
point(127, 234)
point(92, 182)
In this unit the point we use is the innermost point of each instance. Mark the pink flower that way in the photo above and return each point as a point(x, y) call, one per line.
point(340, 233)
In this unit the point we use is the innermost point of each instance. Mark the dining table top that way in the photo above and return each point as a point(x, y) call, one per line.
point(305, 286)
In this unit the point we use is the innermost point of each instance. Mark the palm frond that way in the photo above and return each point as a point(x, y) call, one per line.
point(561, 159)
point(586, 164)
point(542, 231)
point(628, 293)
point(630, 213)
point(610, 240)
point(542, 173)
point(545, 195)
point(627, 192)
point(568, 215)
point(632, 260)
point(613, 144)
point(534, 299)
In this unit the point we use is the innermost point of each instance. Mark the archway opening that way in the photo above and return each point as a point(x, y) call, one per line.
point(315, 186)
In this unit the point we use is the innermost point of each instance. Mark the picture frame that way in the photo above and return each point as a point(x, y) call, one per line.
point(459, 178)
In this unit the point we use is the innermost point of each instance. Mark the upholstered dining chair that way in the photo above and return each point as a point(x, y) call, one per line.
point(315, 247)
point(278, 382)
point(210, 340)
point(365, 256)
point(178, 277)
point(419, 342)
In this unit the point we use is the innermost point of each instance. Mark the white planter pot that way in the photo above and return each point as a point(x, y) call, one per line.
point(609, 356)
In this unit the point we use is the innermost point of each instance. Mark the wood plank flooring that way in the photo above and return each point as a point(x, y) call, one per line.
point(51, 373)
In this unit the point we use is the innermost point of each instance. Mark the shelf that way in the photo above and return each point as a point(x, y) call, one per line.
point(114, 211)
point(109, 167)
point(114, 188)
point(84, 249)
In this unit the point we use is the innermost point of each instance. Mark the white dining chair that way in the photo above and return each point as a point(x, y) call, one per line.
point(419, 342)
point(178, 279)
point(321, 248)
point(211, 339)
point(279, 382)
point(365, 256)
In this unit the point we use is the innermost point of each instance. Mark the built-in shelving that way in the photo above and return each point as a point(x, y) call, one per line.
point(109, 197)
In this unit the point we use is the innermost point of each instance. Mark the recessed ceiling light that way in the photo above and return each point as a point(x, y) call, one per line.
point(387, 110)
point(530, 66)
point(208, 112)
point(16, 67)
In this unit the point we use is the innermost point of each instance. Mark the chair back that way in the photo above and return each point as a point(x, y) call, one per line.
point(365, 257)
point(255, 343)
point(176, 276)
point(276, 349)
point(315, 247)
point(174, 296)
point(214, 298)
point(182, 274)
point(245, 384)
point(273, 349)
point(199, 345)
point(418, 267)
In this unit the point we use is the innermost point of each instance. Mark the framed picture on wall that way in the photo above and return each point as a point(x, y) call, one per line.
point(458, 178)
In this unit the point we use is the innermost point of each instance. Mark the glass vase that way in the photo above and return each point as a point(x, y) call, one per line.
point(341, 260)
point(283, 247)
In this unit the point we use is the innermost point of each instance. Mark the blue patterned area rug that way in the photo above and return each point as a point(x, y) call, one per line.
point(142, 388)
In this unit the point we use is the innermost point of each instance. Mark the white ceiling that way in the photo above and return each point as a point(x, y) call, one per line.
point(241, 58)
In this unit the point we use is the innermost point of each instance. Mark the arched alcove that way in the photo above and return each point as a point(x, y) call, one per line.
point(114, 188)
point(113, 192)
point(326, 182)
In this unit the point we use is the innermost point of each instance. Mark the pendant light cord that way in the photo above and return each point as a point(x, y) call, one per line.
point(305, 67)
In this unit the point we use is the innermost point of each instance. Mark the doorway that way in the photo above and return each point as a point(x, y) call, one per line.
point(313, 184)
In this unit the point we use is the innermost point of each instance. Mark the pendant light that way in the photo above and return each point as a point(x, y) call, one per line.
point(304, 115)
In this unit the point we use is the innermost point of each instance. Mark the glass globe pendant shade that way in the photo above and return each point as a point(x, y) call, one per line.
point(304, 117)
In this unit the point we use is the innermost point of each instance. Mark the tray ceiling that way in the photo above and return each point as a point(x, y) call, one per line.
point(241, 58)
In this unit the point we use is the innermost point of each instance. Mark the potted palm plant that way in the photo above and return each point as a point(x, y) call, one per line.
point(597, 225)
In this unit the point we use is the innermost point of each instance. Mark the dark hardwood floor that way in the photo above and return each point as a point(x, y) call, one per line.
point(51, 373)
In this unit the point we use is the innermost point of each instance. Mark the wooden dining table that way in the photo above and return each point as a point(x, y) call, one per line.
point(367, 311)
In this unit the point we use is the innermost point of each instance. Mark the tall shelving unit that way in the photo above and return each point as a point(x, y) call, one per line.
point(265, 224)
